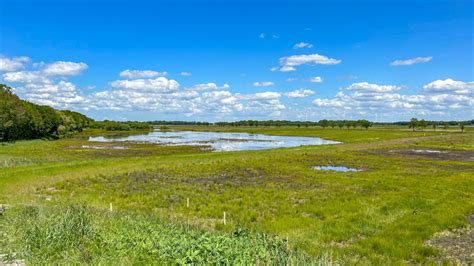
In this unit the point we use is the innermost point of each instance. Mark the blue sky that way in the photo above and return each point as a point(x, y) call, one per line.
point(232, 60)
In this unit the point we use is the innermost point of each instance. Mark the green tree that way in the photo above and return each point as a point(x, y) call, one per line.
point(20, 119)
point(422, 124)
point(365, 123)
point(324, 123)
point(413, 124)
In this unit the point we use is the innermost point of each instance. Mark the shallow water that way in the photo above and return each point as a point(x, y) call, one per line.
point(218, 141)
point(336, 168)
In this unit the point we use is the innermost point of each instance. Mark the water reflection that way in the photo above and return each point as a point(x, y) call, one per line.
point(336, 168)
point(218, 141)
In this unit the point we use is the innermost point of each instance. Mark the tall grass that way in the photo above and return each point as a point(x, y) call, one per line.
point(81, 235)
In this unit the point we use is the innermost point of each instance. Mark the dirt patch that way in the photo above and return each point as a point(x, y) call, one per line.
point(448, 155)
point(456, 246)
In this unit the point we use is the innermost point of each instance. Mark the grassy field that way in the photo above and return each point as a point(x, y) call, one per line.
point(389, 213)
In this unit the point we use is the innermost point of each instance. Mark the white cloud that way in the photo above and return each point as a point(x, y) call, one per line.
point(133, 74)
point(291, 79)
point(262, 35)
point(185, 74)
point(60, 95)
point(371, 100)
point(316, 80)
point(268, 95)
point(302, 45)
point(208, 86)
point(263, 84)
point(160, 84)
point(365, 86)
point(25, 77)
point(301, 93)
point(62, 68)
point(290, 63)
point(42, 86)
point(450, 85)
point(13, 64)
point(411, 61)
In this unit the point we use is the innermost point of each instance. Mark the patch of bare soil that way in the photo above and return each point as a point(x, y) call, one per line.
point(455, 246)
point(449, 155)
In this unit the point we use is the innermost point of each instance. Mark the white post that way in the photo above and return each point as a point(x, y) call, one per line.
point(187, 203)
point(110, 207)
point(224, 219)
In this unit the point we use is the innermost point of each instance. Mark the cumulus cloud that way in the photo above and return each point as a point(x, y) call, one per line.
point(62, 94)
point(208, 86)
point(450, 85)
point(316, 80)
point(185, 74)
point(263, 84)
point(13, 64)
point(365, 86)
point(301, 93)
point(160, 84)
point(268, 95)
point(47, 85)
point(26, 77)
point(62, 68)
point(133, 74)
point(302, 45)
point(411, 61)
point(384, 100)
point(290, 63)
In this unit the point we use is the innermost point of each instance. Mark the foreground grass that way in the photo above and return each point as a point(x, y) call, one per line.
point(382, 215)
point(81, 235)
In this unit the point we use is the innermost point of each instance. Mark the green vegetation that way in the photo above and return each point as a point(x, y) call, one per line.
point(120, 126)
point(23, 120)
point(382, 215)
point(78, 234)
point(279, 123)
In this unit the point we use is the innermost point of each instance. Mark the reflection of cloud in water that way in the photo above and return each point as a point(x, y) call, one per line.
point(336, 168)
point(219, 141)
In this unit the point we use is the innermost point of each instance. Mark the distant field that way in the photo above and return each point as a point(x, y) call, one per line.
point(413, 186)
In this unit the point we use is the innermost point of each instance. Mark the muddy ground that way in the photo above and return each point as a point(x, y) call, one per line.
point(422, 153)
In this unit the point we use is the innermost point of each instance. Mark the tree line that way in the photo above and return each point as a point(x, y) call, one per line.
point(20, 119)
point(321, 123)
point(120, 126)
point(422, 124)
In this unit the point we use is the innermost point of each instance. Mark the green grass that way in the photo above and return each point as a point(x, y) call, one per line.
point(78, 234)
point(382, 215)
